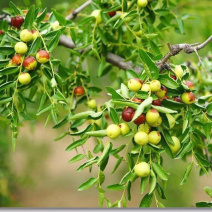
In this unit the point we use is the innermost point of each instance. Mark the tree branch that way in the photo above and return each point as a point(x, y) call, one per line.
point(78, 10)
point(177, 48)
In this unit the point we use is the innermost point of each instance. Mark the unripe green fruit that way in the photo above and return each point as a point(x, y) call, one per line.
point(178, 71)
point(155, 85)
point(134, 84)
point(145, 87)
point(124, 128)
point(26, 35)
point(154, 137)
point(171, 120)
point(142, 169)
point(35, 34)
point(92, 104)
point(142, 3)
point(162, 92)
point(21, 48)
point(138, 33)
point(24, 78)
point(176, 147)
point(97, 15)
point(188, 98)
point(144, 128)
point(55, 25)
point(157, 123)
point(152, 116)
point(141, 138)
point(113, 131)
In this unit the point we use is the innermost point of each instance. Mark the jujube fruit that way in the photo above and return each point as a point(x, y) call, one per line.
point(113, 131)
point(79, 91)
point(127, 114)
point(145, 87)
point(124, 128)
point(30, 63)
point(24, 78)
point(92, 104)
point(188, 98)
point(26, 35)
point(154, 137)
point(142, 169)
point(140, 120)
point(144, 128)
point(134, 84)
point(16, 59)
point(21, 48)
point(155, 85)
point(42, 56)
point(141, 138)
point(152, 116)
point(176, 146)
point(162, 92)
point(17, 21)
point(97, 15)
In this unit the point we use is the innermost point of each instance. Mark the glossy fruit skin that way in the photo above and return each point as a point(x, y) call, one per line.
point(173, 77)
point(21, 48)
point(171, 120)
point(17, 21)
point(141, 119)
point(176, 147)
point(156, 102)
point(42, 56)
point(24, 78)
point(155, 85)
point(190, 84)
point(97, 15)
point(144, 128)
point(124, 128)
point(137, 100)
point(111, 13)
point(113, 131)
point(177, 99)
point(134, 84)
point(79, 91)
point(92, 104)
point(145, 87)
point(152, 116)
point(35, 34)
point(16, 59)
point(141, 138)
point(30, 63)
point(157, 123)
point(142, 3)
point(142, 169)
point(162, 92)
point(165, 97)
point(178, 71)
point(127, 114)
point(154, 137)
point(26, 35)
point(188, 98)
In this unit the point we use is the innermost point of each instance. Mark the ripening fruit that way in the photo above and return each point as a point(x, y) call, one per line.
point(21, 48)
point(173, 77)
point(97, 15)
point(188, 98)
point(35, 34)
point(42, 56)
point(141, 138)
point(162, 92)
point(134, 84)
point(154, 137)
point(144, 128)
point(190, 84)
point(141, 119)
point(156, 102)
point(178, 71)
point(17, 21)
point(30, 63)
point(24, 78)
point(26, 35)
point(177, 99)
point(171, 120)
point(176, 147)
point(127, 114)
point(137, 100)
point(145, 87)
point(92, 104)
point(155, 85)
point(113, 131)
point(142, 169)
point(152, 116)
point(157, 123)
point(16, 59)
point(111, 13)
point(79, 91)
point(142, 3)
point(1, 32)
point(124, 128)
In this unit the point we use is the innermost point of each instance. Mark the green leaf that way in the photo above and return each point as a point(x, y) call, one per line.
point(125, 103)
point(147, 62)
point(60, 18)
point(116, 187)
point(82, 115)
point(5, 100)
point(180, 25)
point(166, 80)
point(7, 85)
point(208, 191)
point(54, 42)
point(204, 205)
point(160, 172)
point(187, 172)
point(28, 22)
point(98, 133)
point(16, 10)
point(61, 136)
point(143, 184)
point(9, 70)
point(202, 161)
point(117, 164)
point(36, 45)
point(6, 50)
point(105, 152)
point(61, 123)
point(152, 182)
point(113, 115)
point(114, 94)
point(43, 110)
point(131, 74)
point(124, 91)
point(163, 109)
point(146, 201)
point(88, 163)
point(76, 158)
point(42, 15)
point(75, 144)
point(88, 184)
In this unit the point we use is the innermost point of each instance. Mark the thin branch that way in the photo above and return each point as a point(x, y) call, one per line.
point(177, 48)
point(78, 10)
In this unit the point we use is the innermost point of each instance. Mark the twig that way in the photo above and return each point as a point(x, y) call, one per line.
point(78, 10)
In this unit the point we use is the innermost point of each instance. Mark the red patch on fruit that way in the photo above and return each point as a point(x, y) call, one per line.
point(30, 63)
point(156, 102)
point(43, 54)
point(137, 100)
point(16, 59)
point(191, 96)
point(177, 99)
point(17, 21)
point(112, 13)
point(141, 119)
point(79, 91)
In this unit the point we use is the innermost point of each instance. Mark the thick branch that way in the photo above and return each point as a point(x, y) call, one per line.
point(177, 48)
point(78, 10)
